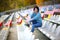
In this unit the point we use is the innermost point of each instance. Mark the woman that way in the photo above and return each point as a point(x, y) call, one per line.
point(35, 19)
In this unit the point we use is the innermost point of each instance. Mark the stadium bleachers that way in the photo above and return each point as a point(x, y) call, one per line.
point(5, 30)
point(50, 27)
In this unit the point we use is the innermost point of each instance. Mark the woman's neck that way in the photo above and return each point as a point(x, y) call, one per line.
point(36, 12)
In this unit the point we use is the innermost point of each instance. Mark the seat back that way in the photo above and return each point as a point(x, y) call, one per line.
point(50, 25)
point(46, 24)
point(43, 23)
point(53, 28)
point(53, 17)
point(57, 31)
point(58, 18)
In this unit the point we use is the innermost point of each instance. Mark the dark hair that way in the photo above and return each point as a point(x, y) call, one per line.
point(36, 8)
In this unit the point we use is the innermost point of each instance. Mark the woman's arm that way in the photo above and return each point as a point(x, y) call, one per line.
point(32, 15)
point(36, 17)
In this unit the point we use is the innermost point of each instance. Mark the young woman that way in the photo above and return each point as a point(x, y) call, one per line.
point(35, 19)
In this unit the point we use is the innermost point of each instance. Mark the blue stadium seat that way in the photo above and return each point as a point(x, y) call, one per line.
point(50, 8)
point(43, 9)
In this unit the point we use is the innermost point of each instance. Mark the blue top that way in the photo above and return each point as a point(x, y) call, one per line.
point(37, 17)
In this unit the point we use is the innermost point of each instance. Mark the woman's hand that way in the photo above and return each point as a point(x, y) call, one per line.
point(27, 21)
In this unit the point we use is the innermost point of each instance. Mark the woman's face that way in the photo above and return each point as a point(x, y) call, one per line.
point(35, 10)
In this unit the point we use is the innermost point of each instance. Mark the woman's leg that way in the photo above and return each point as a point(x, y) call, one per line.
point(35, 26)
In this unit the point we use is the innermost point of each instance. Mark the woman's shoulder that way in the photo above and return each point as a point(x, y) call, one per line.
point(38, 12)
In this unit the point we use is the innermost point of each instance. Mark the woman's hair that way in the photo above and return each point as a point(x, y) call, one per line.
point(36, 8)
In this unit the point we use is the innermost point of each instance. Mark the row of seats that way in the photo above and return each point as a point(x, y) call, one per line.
point(54, 19)
point(51, 29)
point(43, 8)
point(5, 30)
point(9, 22)
point(49, 8)
point(3, 18)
